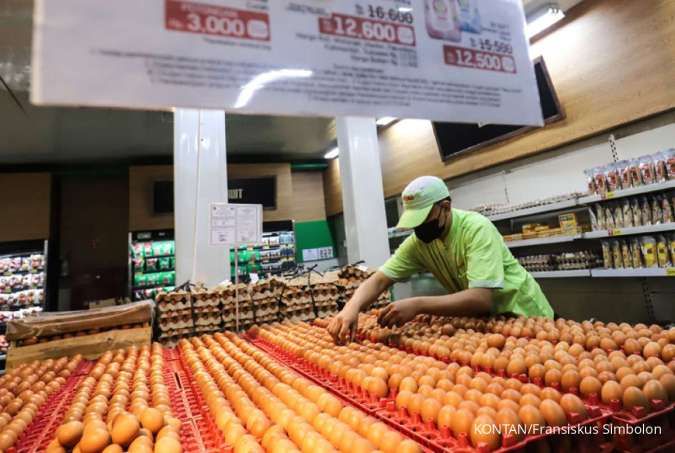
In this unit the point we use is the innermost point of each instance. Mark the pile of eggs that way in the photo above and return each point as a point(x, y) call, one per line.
point(458, 397)
point(24, 389)
point(261, 405)
point(122, 405)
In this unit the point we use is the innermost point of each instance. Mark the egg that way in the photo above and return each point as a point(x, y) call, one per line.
point(654, 391)
point(429, 410)
point(590, 385)
point(570, 380)
point(69, 433)
point(571, 404)
point(94, 439)
point(462, 422)
point(445, 416)
point(113, 448)
point(509, 423)
point(125, 429)
point(168, 445)
point(634, 397)
point(552, 413)
point(483, 435)
point(668, 383)
point(531, 417)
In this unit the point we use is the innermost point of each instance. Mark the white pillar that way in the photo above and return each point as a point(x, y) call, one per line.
point(362, 193)
point(200, 178)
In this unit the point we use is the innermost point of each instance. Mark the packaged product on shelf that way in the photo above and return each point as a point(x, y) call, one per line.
point(626, 255)
point(636, 253)
point(635, 174)
point(637, 212)
point(618, 216)
point(666, 208)
point(647, 170)
point(598, 217)
point(670, 162)
point(151, 265)
point(600, 180)
point(672, 248)
point(661, 166)
point(646, 211)
point(147, 248)
point(662, 254)
point(623, 168)
point(137, 249)
point(139, 279)
point(590, 181)
point(609, 218)
point(613, 178)
point(627, 213)
point(617, 258)
point(648, 245)
point(657, 212)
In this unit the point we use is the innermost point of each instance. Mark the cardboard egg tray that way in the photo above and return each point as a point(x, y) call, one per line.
point(42, 429)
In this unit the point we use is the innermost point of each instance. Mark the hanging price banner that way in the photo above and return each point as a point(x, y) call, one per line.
point(444, 60)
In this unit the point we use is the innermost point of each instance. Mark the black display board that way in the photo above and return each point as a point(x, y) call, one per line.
point(253, 191)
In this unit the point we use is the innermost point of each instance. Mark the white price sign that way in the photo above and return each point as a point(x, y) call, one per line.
point(235, 224)
point(445, 60)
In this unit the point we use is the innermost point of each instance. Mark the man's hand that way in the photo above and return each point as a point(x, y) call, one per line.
point(398, 313)
point(343, 326)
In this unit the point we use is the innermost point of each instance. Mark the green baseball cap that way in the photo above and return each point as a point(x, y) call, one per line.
point(418, 198)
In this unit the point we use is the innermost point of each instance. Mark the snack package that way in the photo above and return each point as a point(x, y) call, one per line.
point(662, 254)
point(647, 170)
point(627, 213)
point(670, 162)
point(626, 255)
point(137, 249)
point(164, 264)
point(617, 210)
point(612, 177)
point(600, 180)
point(667, 209)
point(636, 255)
point(637, 212)
point(147, 248)
point(151, 265)
point(648, 245)
point(646, 212)
point(139, 279)
point(672, 248)
point(623, 167)
point(660, 167)
point(634, 170)
point(657, 212)
point(609, 218)
point(598, 218)
point(617, 258)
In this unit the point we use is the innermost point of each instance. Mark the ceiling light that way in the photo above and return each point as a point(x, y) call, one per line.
point(543, 19)
point(385, 121)
point(332, 154)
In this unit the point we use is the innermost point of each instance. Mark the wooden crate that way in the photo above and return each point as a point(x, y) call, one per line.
point(90, 346)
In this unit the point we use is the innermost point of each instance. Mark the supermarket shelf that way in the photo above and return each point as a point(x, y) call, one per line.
point(562, 274)
point(536, 210)
point(628, 231)
point(651, 272)
point(541, 241)
point(628, 192)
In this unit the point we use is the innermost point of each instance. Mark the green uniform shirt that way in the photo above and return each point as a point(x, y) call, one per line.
point(473, 255)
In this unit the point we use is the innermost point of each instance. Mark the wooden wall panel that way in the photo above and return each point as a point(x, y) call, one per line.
point(282, 172)
point(611, 63)
point(332, 188)
point(141, 186)
point(308, 199)
point(25, 206)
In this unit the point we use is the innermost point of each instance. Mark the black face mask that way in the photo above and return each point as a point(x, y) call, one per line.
point(429, 231)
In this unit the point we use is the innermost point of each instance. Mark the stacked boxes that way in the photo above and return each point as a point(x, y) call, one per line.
point(296, 301)
point(206, 306)
point(174, 316)
point(229, 296)
point(265, 298)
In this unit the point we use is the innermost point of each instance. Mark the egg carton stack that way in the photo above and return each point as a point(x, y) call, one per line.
point(229, 295)
point(325, 293)
point(206, 306)
point(296, 301)
point(351, 278)
point(174, 316)
point(265, 296)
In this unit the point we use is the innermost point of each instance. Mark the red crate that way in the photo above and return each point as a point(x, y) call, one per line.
point(42, 429)
point(661, 418)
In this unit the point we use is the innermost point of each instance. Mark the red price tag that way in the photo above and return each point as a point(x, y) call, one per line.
point(367, 29)
point(200, 18)
point(478, 59)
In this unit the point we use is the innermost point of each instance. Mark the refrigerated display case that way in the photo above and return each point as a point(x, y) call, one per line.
point(274, 256)
point(152, 263)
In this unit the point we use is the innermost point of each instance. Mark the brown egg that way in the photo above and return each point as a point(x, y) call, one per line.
point(531, 417)
point(654, 390)
point(634, 397)
point(113, 448)
point(487, 439)
point(69, 433)
point(168, 445)
point(509, 422)
point(553, 413)
point(571, 404)
point(462, 422)
point(125, 429)
point(668, 383)
point(152, 419)
point(570, 380)
point(94, 440)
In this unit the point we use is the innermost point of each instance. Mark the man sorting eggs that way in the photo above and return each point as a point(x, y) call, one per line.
point(466, 254)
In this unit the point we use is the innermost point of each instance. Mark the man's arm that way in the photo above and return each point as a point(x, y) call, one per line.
point(343, 326)
point(470, 302)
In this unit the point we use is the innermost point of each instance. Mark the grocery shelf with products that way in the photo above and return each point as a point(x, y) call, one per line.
point(152, 263)
point(23, 275)
point(274, 256)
